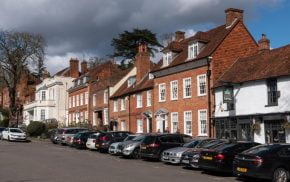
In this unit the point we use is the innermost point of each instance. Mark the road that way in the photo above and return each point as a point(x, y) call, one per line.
point(40, 161)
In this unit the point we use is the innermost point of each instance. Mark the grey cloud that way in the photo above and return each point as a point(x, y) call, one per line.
point(87, 26)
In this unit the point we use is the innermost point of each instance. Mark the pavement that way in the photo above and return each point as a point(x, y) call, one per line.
point(39, 161)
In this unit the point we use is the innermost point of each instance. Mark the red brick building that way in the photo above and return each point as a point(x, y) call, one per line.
point(183, 79)
point(131, 105)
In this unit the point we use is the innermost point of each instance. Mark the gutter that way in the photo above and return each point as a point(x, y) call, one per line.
point(208, 76)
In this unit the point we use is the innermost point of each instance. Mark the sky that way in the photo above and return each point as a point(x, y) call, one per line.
point(84, 29)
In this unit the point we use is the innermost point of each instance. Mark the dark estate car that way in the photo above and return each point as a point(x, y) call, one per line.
point(80, 139)
point(153, 145)
point(104, 140)
point(270, 161)
point(221, 158)
point(191, 157)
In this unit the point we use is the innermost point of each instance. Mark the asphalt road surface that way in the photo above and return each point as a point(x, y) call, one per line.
point(40, 161)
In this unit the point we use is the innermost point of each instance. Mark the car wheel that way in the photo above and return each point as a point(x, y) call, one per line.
point(136, 153)
point(193, 165)
point(280, 175)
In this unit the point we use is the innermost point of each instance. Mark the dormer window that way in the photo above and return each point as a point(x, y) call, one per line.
point(193, 50)
point(131, 81)
point(167, 58)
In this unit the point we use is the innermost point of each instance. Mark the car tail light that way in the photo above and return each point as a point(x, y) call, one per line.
point(220, 157)
point(104, 138)
point(154, 145)
point(258, 161)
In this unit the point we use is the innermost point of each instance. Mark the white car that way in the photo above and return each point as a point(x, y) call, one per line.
point(91, 142)
point(13, 134)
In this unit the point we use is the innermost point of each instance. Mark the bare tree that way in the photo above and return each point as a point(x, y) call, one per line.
point(18, 52)
point(166, 38)
point(95, 61)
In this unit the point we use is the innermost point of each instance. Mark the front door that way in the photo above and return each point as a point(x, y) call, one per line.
point(274, 132)
point(149, 125)
point(161, 123)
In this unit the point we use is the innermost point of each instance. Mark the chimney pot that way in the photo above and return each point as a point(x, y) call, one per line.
point(232, 14)
point(264, 43)
point(179, 36)
point(74, 68)
point(84, 67)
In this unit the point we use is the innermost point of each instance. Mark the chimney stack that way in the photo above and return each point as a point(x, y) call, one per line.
point(179, 36)
point(142, 62)
point(74, 68)
point(232, 14)
point(84, 67)
point(264, 43)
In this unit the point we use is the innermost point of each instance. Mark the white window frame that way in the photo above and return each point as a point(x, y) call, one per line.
point(81, 99)
point(185, 119)
point(200, 133)
point(139, 100)
point(43, 95)
point(106, 96)
point(123, 125)
point(174, 121)
point(173, 85)
point(199, 77)
point(185, 82)
point(167, 58)
point(115, 105)
point(94, 100)
point(149, 98)
point(159, 93)
point(42, 114)
point(106, 116)
point(73, 101)
point(193, 50)
point(77, 100)
point(69, 102)
point(86, 98)
point(123, 104)
point(140, 126)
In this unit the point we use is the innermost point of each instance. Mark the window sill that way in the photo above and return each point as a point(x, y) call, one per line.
point(201, 95)
point(138, 107)
point(162, 101)
point(271, 105)
point(187, 97)
point(202, 135)
point(173, 99)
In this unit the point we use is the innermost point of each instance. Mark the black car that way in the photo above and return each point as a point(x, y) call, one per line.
point(271, 161)
point(54, 135)
point(80, 139)
point(153, 145)
point(191, 157)
point(221, 158)
point(104, 140)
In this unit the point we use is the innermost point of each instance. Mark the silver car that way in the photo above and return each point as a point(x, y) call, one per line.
point(114, 147)
point(132, 148)
point(173, 155)
point(65, 134)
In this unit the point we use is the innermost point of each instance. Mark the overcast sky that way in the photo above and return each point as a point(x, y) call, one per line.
point(85, 28)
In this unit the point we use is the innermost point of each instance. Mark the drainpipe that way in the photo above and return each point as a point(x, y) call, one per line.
point(129, 111)
point(208, 76)
point(108, 106)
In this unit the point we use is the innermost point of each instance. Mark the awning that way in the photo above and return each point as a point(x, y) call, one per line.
point(161, 111)
point(147, 114)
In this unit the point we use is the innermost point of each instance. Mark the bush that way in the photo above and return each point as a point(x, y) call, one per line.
point(36, 128)
point(4, 123)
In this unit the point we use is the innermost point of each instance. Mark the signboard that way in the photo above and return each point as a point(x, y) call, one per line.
point(228, 95)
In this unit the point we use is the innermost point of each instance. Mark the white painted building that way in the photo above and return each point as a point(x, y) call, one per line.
point(252, 99)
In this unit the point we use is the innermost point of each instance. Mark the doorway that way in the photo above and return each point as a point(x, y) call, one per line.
point(274, 132)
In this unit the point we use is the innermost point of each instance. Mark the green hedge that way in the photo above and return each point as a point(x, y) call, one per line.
point(4, 122)
point(36, 128)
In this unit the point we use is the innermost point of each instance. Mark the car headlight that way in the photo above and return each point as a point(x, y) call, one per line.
point(129, 146)
point(179, 154)
point(196, 156)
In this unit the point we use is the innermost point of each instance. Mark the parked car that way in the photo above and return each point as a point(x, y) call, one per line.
point(14, 134)
point(53, 136)
point(173, 155)
point(221, 158)
point(65, 134)
point(131, 148)
point(271, 161)
point(153, 145)
point(104, 140)
point(113, 149)
point(191, 157)
point(91, 142)
point(80, 139)
point(1, 129)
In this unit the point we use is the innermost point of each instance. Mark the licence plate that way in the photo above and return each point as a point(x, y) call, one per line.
point(185, 161)
point(207, 158)
point(97, 145)
point(195, 160)
point(241, 169)
point(165, 157)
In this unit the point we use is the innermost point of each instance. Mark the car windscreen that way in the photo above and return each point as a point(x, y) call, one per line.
point(16, 131)
point(191, 144)
point(73, 131)
point(130, 137)
point(213, 144)
point(139, 138)
point(1, 129)
point(258, 150)
point(94, 135)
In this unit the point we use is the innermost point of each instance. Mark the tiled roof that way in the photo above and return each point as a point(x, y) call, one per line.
point(144, 84)
point(64, 72)
point(263, 65)
point(211, 38)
